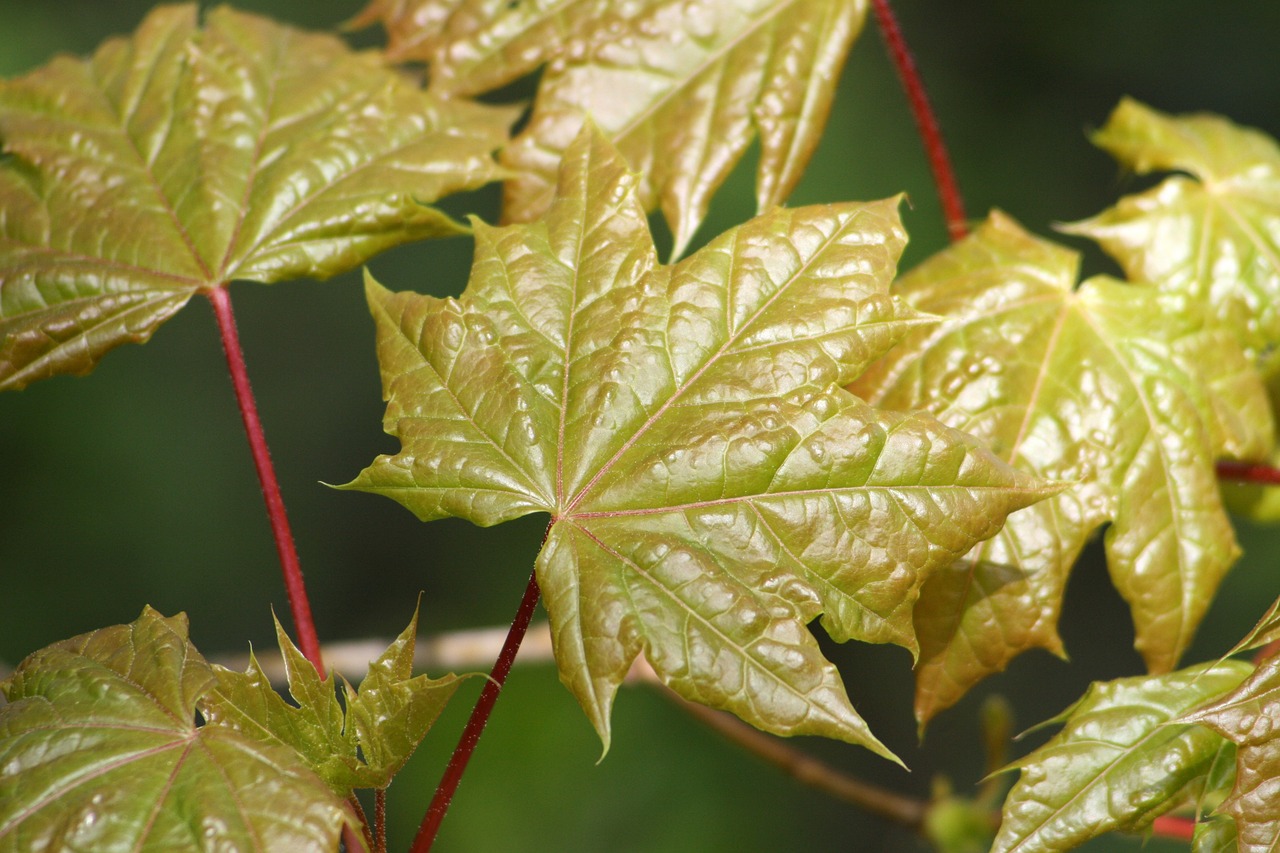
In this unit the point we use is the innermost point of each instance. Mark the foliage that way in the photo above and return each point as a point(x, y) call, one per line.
point(729, 446)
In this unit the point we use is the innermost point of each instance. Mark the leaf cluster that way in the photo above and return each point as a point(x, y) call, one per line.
point(769, 433)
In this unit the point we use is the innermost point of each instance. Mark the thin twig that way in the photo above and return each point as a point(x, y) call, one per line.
point(295, 589)
point(380, 820)
point(475, 725)
point(905, 811)
point(349, 836)
point(1172, 826)
point(930, 134)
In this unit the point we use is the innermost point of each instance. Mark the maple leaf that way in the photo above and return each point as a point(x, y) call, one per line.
point(1122, 759)
point(362, 746)
point(1247, 717)
point(1213, 231)
point(99, 751)
point(682, 88)
point(183, 157)
point(1102, 386)
point(711, 486)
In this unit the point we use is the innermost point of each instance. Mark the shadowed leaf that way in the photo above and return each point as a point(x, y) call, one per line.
point(1119, 762)
point(712, 489)
point(183, 157)
point(1248, 717)
point(99, 751)
point(682, 88)
point(1104, 387)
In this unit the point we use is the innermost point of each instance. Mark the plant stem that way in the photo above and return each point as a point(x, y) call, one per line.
point(479, 717)
point(295, 589)
point(905, 811)
point(1249, 472)
point(930, 134)
point(380, 820)
point(1170, 826)
point(349, 837)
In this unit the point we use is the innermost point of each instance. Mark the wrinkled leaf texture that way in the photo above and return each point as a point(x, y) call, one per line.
point(711, 486)
point(1121, 760)
point(1249, 717)
point(99, 751)
point(1101, 386)
point(362, 746)
point(184, 157)
point(682, 87)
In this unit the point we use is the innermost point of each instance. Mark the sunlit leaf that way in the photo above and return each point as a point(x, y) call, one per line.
point(1212, 232)
point(682, 88)
point(1215, 835)
point(183, 157)
point(362, 747)
point(99, 751)
point(711, 487)
point(1119, 761)
point(1249, 717)
point(1101, 386)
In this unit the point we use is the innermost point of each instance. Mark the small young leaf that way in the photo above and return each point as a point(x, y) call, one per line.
point(1249, 717)
point(1213, 232)
point(1103, 387)
point(711, 486)
point(363, 748)
point(681, 88)
point(1119, 762)
point(99, 751)
point(1216, 835)
point(184, 157)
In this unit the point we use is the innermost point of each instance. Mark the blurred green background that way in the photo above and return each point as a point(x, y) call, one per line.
point(134, 486)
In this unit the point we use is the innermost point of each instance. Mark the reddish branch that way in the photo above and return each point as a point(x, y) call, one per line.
point(1248, 472)
point(1169, 826)
point(479, 717)
point(930, 134)
point(299, 606)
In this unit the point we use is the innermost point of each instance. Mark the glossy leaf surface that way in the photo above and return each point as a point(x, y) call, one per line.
point(361, 746)
point(1118, 762)
point(184, 157)
point(1249, 717)
point(1100, 386)
point(711, 487)
point(99, 751)
point(682, 88)
point(1213, 232)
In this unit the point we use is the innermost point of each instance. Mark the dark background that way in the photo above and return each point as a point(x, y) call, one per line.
point(134, 486)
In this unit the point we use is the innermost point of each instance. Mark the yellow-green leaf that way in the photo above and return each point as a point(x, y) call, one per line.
point(99, 750)
point(183, 157)
point(1121, 760)
point(712, 488)
point(682, 88)
point(1104, 387)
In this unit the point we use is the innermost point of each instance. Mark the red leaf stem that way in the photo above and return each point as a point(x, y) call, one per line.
point(1249, 472)
point(475, 725)
point(295, 589)
point(380, 820)
point(930, 134)
point(1169, 826)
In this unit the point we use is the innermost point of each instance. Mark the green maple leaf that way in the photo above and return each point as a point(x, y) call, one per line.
point(1121, 760)
point(361, 747)
point(1247, 717)
point(99, 751)
point(681, 88)
point(711, 486)
point(1212, 231)
point(1102, 386)
point(183, 157)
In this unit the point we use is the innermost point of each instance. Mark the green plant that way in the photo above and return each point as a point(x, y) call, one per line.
point(712, 487)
